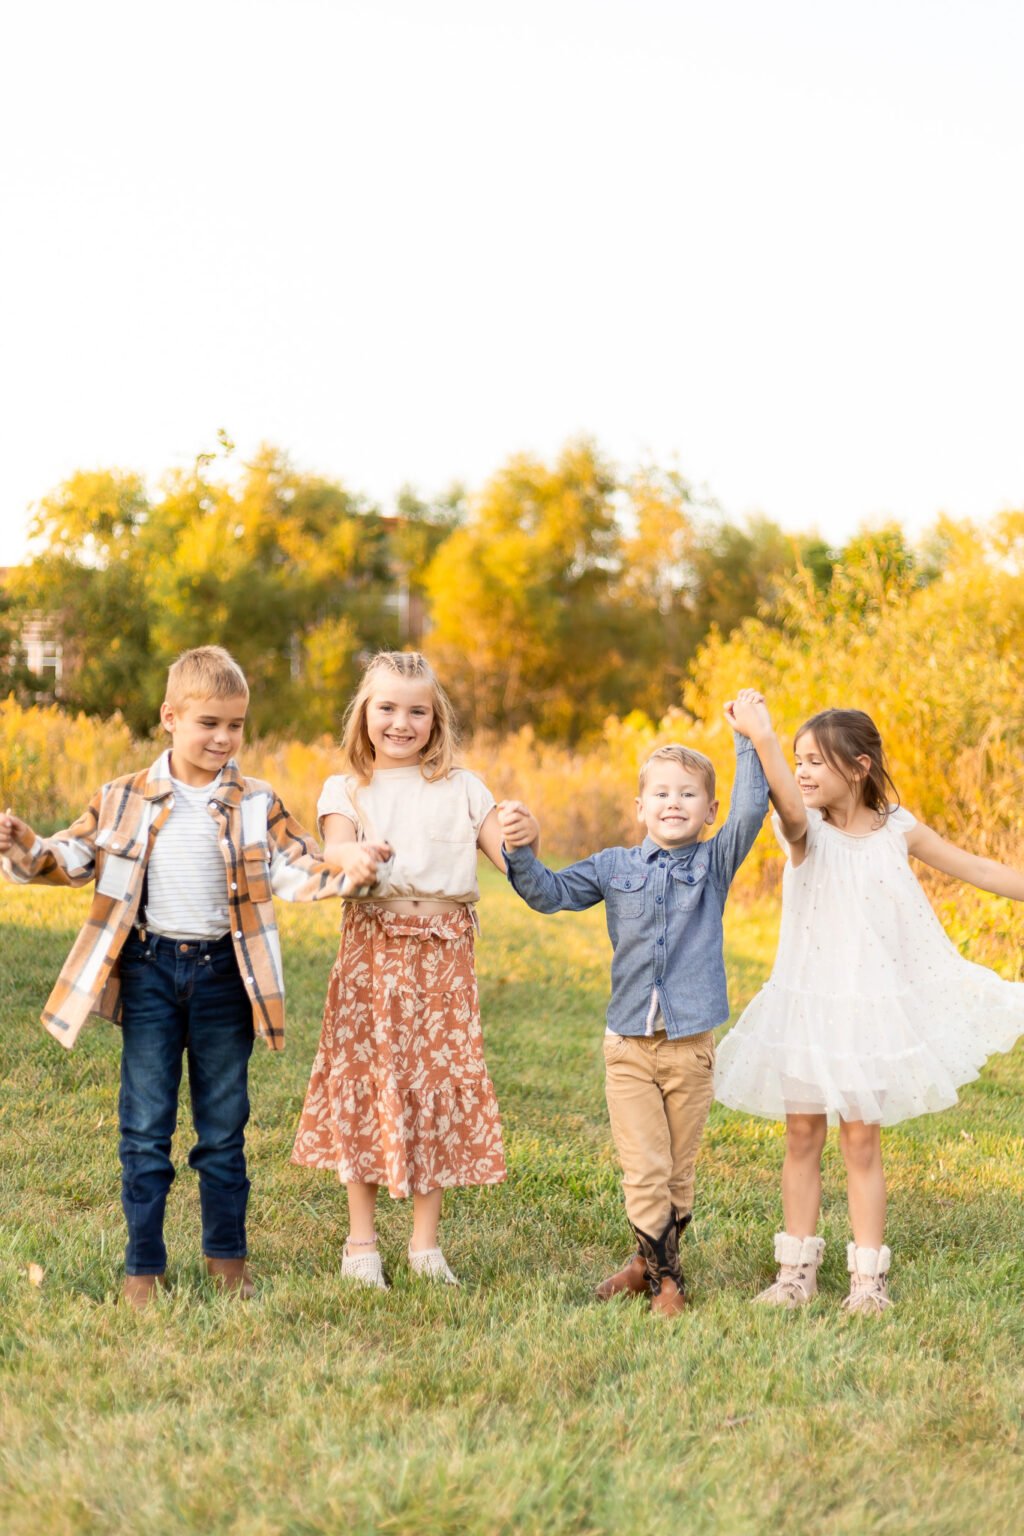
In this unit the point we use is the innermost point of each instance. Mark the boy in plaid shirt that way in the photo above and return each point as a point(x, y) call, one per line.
point(181, 948)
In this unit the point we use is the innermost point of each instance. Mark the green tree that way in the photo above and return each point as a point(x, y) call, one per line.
point(520, 597)
point(89, 576)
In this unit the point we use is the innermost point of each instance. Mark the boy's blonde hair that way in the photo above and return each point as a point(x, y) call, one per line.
point(208, 672)
point(687, 758)
point(439, 753)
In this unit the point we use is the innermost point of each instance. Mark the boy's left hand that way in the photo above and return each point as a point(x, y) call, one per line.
point(519, 827)
point(748, 713)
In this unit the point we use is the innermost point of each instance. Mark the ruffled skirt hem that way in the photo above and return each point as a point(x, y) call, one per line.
point(877, 1059)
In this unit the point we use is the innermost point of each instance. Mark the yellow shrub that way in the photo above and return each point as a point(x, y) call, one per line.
point(50, 763)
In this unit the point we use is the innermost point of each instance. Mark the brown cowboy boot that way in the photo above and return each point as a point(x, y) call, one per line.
point(139, 1290)
point(664, 1276)
point(231, 1275)
point(629, 1281)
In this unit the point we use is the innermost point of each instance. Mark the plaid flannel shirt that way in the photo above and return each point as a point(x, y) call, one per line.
point(266, 854)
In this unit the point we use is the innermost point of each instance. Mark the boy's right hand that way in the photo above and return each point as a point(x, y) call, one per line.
point(14, 830)
point(519, 827)
point(360, 861)
point(748, 714)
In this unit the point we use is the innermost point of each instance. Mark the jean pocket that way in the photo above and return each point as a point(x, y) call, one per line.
point(133, 954)
point(224, 962)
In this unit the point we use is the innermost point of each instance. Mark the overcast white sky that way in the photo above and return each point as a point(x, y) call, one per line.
point(779, 245)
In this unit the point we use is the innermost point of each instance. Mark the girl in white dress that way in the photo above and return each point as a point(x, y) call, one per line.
point(870, 1015)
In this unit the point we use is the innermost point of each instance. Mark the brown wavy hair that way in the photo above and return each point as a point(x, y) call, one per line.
point(438, 755)
point(844, 735)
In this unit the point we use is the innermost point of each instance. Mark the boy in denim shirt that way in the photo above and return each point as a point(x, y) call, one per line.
point(663, 904)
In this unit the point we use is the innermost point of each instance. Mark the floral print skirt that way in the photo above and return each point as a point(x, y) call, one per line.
point(399, 1093)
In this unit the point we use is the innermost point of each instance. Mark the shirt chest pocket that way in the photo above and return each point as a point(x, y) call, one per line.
point(119, 872)
point(257, 873)
point(688, 887)
point(626, 896)
point(451, 824)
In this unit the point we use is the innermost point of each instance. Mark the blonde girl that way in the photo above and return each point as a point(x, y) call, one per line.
point(399, 1094)
point(870, 1016)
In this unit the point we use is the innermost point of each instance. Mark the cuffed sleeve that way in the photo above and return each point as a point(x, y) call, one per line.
point(572, 889)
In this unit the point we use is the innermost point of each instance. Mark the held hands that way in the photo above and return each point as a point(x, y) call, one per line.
point(14, 830)
point(748, 714)
point(360, 860)
point(519, 827)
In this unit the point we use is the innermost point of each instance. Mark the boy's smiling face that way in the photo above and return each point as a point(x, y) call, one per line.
point(674, 804)
point(205, 733)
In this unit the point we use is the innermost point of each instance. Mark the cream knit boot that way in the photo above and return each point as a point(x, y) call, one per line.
point(869, 1274)
point(797, 1280)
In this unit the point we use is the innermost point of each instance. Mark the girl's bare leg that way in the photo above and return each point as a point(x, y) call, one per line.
point(801, 1173)
point(861, 1147)
point(362, 1206)
point(426, 1213)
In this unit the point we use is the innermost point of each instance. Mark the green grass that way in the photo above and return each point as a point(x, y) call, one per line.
point(516, 1404)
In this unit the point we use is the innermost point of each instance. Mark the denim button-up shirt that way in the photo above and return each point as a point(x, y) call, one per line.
point(663, 908)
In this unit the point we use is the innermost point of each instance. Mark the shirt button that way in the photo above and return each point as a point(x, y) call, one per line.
point(238, 935)
point(658, 900)
point(628, 884)
point(234, 885)
point(661, 941)
point(249, 981)
point(183, 948)
point(657, 981)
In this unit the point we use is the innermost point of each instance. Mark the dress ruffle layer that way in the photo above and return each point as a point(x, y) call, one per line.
point(806, 1053)
point(870, 1013)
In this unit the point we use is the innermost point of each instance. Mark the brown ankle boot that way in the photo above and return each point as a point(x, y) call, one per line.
point(231, 1275)
point(139, 1290)
point(630, 1280)
point(664, 1276)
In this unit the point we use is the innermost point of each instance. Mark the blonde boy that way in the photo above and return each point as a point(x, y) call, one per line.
point(663, 904)
point(181, 949)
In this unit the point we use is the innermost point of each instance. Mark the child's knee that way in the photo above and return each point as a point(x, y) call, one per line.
point(805, 1136)
point(861, 1144)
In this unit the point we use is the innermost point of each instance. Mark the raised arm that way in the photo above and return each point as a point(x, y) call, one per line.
point(987, 874)
point(748, 714)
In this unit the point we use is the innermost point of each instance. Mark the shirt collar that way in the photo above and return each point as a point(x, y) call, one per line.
point(649, 851)
point(228, 792)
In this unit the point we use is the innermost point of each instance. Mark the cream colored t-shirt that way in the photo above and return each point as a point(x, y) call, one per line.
point(432, 825)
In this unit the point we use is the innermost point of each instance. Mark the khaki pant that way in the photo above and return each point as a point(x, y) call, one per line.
point(659, 1092)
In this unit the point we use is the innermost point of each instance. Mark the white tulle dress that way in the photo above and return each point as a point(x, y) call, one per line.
point(870, 1013)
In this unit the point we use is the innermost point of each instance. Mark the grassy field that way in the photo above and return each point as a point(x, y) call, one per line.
point(516, 1404)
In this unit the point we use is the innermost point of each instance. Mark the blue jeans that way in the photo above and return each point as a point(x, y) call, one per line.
point(183, 998)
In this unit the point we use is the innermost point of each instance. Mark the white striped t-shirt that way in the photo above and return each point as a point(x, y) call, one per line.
point(187, 896)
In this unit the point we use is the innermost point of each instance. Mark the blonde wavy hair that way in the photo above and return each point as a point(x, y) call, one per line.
point(438, 755)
